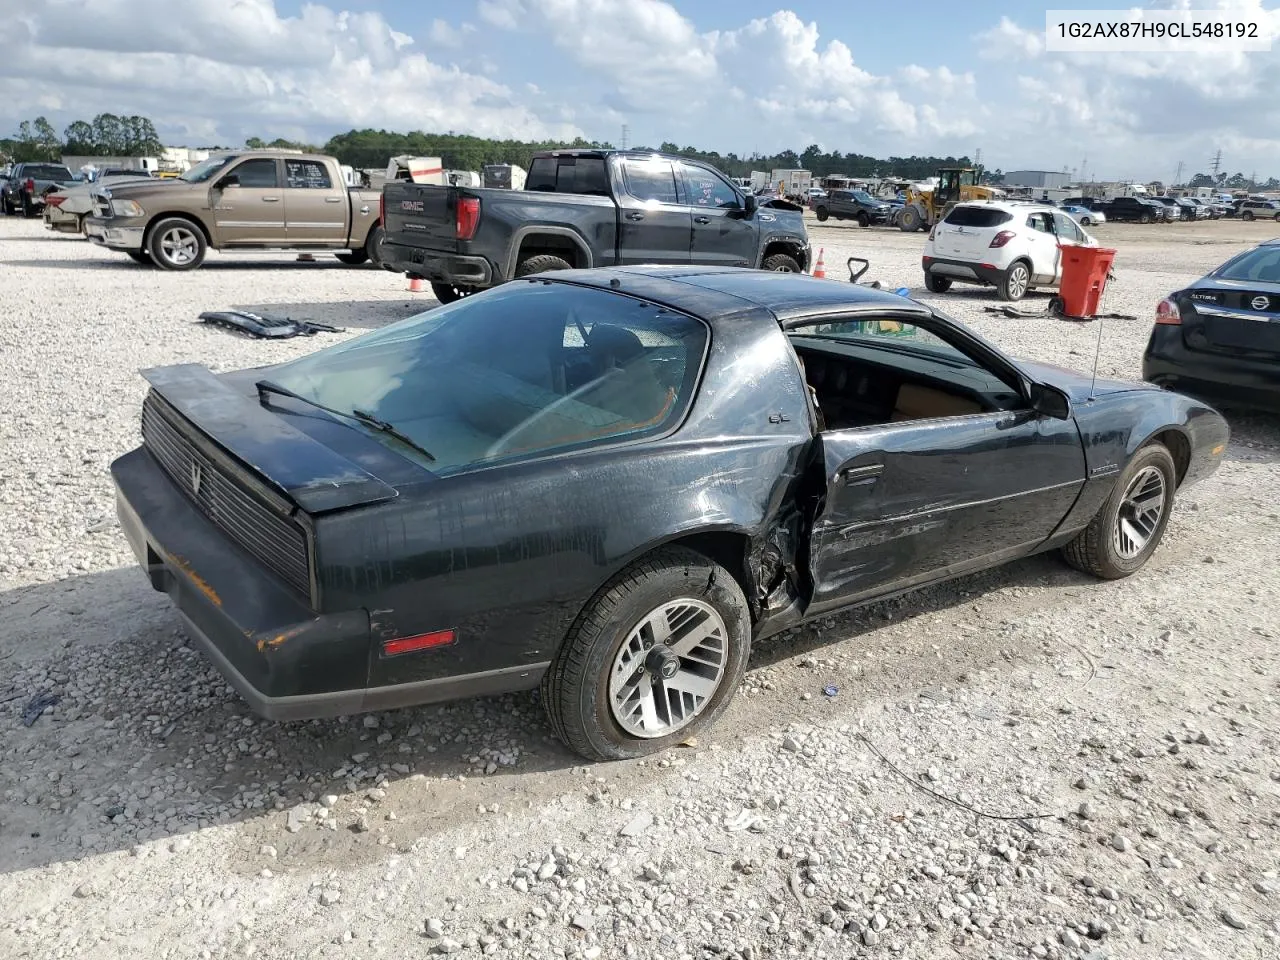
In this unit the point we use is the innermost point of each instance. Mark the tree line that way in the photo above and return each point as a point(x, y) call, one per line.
point(107, 135)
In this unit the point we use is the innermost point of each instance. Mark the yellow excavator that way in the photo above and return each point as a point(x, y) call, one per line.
point(924, 208)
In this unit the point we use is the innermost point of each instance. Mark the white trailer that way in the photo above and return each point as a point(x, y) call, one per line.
point(504, 176)
point(792, 183)
point(417, 169)
point(759, 180)
point(462, 178)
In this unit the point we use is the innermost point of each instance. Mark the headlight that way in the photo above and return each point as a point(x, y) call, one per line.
point(126, 208)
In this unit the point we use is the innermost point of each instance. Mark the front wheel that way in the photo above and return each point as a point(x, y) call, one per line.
point(781, 263)
point(1247, 215)
point(822, 213)
point(1086, 222)
point(936, 284)
point(1125, 532)
point(654, 658)
point(1145, 218)
point(910, 220)
point(1015, 282)
point(176, 244)
point(864, 220)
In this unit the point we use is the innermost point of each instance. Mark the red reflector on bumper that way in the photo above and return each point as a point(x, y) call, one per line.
point(421, 641)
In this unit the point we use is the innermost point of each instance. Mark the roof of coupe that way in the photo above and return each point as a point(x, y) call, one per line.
point(711, 292)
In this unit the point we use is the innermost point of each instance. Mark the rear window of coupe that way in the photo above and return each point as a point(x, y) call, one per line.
point(523, 370)
point(977, 217)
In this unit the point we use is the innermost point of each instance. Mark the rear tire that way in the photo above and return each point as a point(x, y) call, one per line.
point(781, 263)
point(28, 208)
point(1016, 281)
point(373, 244)
point(1105, 548)
point(582, 692)
point(1247, 215)
point(449, 292)
point(541, 264)
point(936, 284)
point(822, 213)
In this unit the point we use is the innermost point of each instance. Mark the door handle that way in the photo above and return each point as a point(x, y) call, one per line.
point(270, 199)
point(858, 475)
point(635, 216)
point(701, 219)
point(332, 199)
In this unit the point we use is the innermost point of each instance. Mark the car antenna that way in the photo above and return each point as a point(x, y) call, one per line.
point(1097, 355)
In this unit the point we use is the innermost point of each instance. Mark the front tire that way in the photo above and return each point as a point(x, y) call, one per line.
point(1086, 222)
point(1247, 215)
point(176, 244)
point(654, 658)
point(1125, 533)
point(352, 258)
point(1145, 218)
point(822, 213)
point(864, 220)
point(910, 220)
point(1015, 282)
point(140, 256)
point(781, 263)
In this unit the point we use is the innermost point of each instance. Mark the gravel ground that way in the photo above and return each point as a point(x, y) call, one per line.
point(1023, 763)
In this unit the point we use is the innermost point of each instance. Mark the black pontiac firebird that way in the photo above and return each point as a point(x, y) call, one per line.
point(611, 482)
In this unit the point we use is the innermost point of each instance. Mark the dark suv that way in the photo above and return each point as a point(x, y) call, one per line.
point(1136, 210)
point(852, 205)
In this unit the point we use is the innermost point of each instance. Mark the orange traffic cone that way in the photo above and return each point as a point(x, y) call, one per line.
point(820, 266)
point(417, 285)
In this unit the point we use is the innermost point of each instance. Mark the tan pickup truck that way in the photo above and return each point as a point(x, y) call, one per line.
point(251, 200)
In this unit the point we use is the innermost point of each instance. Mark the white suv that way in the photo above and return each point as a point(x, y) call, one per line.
point(1010, 246)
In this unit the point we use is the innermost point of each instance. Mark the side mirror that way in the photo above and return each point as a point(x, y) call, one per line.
point(750, 204)
point(230, 180)
point(1050, 402)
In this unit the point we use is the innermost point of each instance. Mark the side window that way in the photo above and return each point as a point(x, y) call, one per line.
point(257, 174)
point(707, 189)
point(1040, 222)
point(650, 180)
point(1067, 229)
point(306, 174)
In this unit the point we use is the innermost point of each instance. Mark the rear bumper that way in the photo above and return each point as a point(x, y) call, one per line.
point(464, 271)
point(963, 271)
point(1226, 378)
point(284, 659)
point(61, 222)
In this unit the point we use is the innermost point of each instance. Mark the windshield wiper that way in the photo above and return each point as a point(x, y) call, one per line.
point(363, 416)
point(391, 430)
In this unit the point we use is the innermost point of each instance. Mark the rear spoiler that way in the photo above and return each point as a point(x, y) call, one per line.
point(315, 477)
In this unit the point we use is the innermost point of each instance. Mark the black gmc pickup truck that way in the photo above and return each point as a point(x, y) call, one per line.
point(586, 208)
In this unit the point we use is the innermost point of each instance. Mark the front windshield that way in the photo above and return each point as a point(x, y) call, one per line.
point(204, 170)
point(519, 370)
point(1260, 265)
point(863, 197)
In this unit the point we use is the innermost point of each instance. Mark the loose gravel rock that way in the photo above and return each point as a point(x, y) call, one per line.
point(148, 813)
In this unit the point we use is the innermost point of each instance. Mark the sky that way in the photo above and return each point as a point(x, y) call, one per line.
point(916, 77)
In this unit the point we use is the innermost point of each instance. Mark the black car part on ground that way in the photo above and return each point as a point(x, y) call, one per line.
point(263, 326)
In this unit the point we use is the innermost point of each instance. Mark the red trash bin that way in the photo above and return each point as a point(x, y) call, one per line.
point(1084, 279)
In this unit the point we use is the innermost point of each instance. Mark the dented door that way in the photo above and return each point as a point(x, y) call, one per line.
point(910, 502)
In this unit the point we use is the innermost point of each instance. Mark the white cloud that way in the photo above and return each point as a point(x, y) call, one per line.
point(218, 71)
point(445, 34)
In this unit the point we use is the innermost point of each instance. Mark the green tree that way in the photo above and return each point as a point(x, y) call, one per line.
point(79, 139)
point(140, 137)
point(109, 135)
point(255, 143)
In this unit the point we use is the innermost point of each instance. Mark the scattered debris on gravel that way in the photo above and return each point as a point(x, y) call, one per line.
point(1022, 763)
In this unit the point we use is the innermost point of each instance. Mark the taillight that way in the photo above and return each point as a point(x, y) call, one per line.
point(933, 231)
point(54, 199)
point(1001, 238)
point(468, 217)
point(382, 209)
point(1168, 314)
point(30, 185)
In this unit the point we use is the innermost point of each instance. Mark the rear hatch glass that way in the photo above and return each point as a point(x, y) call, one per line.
point(965, 233)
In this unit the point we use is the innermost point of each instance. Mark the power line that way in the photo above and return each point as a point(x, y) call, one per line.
point(1216, 163)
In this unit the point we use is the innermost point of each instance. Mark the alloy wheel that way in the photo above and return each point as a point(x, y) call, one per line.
point(179, 245)
point(1018, 280)
point(1140, 513)
point(668, 668)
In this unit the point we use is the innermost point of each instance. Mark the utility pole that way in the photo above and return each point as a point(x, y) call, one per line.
point(626, 136)
point(1177, 177)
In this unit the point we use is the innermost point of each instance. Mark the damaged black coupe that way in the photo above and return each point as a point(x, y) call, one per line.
point(609, 483)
